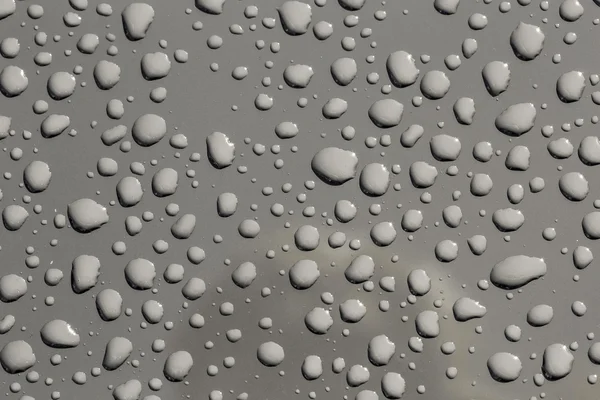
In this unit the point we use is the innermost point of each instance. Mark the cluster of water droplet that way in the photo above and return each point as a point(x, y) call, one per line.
point(154, 186)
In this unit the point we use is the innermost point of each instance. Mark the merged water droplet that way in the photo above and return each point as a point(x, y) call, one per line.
point(137, 18)
point(386, 113)
point(295, 17)
point(59, 334)
point(17, 356)
point(517, 119)
point(557, 362)
point(334, 166)
point(496, 77)
point(86, 215)
point(13, 80)
point(504, 367)
point(516, 271)
point(402, 69)
point(527, 41)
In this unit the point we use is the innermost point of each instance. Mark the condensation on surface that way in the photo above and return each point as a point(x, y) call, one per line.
point(334, 199)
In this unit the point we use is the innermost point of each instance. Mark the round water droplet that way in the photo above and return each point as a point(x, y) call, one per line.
point(504, 367)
